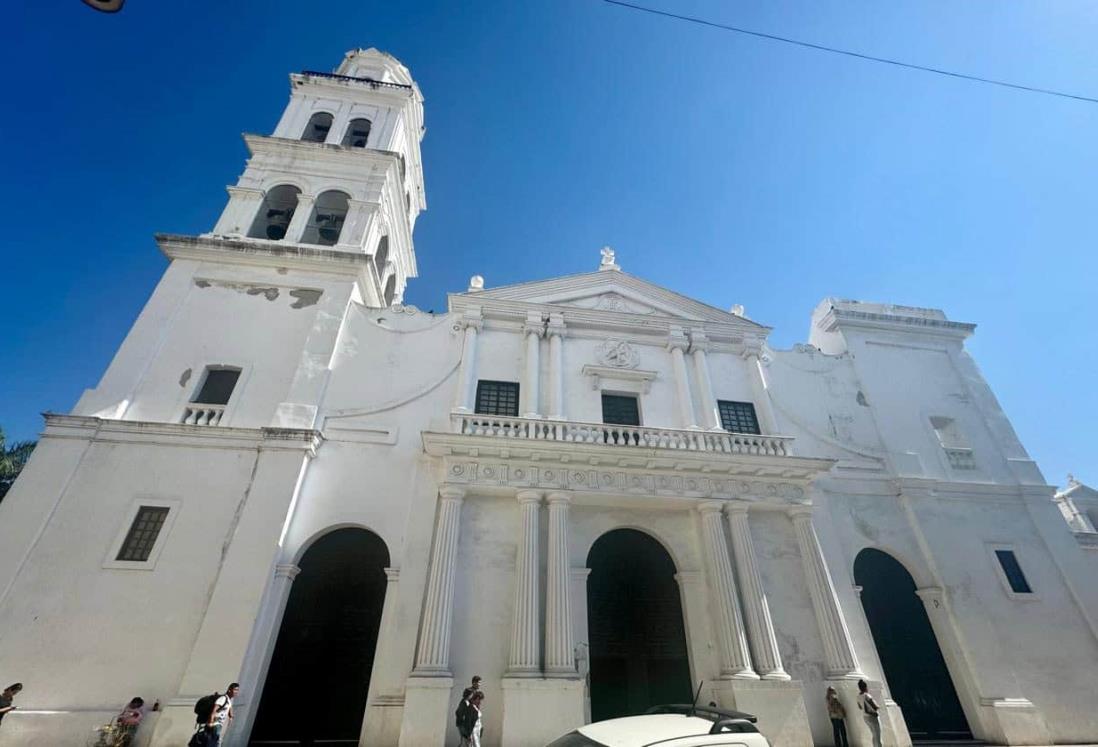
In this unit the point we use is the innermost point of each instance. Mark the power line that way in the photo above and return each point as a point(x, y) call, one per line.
point(848, 53)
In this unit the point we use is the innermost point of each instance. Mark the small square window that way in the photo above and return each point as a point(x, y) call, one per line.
point(217, 387)
point(738, 417)
point(620, 410)
point(141, 538)
point(1013, 572)
point(497, 398)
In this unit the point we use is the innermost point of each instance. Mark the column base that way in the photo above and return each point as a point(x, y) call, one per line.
point(779, 705)
point(893, 727)
point(537, 711)
point(428, 712)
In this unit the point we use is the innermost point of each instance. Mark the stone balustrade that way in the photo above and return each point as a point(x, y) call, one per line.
point(199, 414)
point(537, 429)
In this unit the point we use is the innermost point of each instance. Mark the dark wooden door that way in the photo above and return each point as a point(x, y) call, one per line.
point(918, 677)
point(635, 625)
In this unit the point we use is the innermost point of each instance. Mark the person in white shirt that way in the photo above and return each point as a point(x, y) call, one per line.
point(222, 715)
point(475, 701)
point(870, 712)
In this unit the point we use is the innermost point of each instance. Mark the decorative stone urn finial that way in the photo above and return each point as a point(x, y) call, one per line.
point(476, 284)
point(608, 262)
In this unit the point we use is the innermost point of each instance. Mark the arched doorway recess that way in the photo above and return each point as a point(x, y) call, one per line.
point(635, 626)
point(918, 677)
point(316, 686)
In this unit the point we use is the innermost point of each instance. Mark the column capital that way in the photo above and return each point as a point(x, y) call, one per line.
point(677, 339)
point(559, 496)
point(237, 191)
point(556, 324)
point(451, 492)
point(305, 199)
point(287, 570)
point(710, 506)
point(800, 512)
point(534, 324)
point(529, 496)
point(931, 595)
point(699, 343)
point(392, 574)
point(737, 508)
point(752, 347)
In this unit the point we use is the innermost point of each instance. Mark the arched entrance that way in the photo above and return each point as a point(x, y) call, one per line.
point(917, 674)
point(635, 626)
point(316, 686)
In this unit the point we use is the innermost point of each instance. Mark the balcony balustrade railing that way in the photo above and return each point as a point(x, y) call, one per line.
point(562, 431)
point(199, 414)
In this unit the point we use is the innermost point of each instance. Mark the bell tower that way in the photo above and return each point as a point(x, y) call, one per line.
point(341, 171)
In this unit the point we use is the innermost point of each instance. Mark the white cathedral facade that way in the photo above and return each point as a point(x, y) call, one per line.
point(591, 491)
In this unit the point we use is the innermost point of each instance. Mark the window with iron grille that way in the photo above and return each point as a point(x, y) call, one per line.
point(1013, 572)
point(217, 387)
point(141, 538)
point(738, 417)
point(620, 410)
point(497, 398)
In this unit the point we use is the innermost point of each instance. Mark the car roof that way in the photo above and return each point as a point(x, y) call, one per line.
point(633, 731)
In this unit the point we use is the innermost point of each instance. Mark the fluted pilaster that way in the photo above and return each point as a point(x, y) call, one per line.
point(735, 657)
point(467, 376)
point(559, 653)
point(533, 331)
point(838, 645)
point(556, 366)
point(433, 656)
point(677, 343)
point(524, 659)
point(710, 417)
point(760, 627)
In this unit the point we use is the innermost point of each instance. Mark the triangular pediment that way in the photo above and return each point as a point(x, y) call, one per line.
point(613, 291)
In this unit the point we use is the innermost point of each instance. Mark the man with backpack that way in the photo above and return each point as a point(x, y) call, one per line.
point(213, 713)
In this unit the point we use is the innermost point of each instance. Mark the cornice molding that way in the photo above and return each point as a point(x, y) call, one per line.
point(261, 253)
point(839, 317)
point(88, 427)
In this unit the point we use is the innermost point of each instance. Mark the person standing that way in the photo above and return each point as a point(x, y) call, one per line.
point(128, 721)
point(476, 724)
point(462, 714)
point(221, 715)
point(837, 713)
point(475, 687)
point(871, 712)
point(7, 696)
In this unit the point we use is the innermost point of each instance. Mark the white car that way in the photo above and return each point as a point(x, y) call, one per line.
point(670, 726)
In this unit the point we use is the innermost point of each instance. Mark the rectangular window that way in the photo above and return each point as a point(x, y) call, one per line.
point(497, 398)
point(738, 417)
point(141, 538)
point(217, 387)
point(620, 410)
point(1013, 572)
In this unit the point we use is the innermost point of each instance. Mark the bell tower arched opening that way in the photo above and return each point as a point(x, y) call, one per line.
point(319, 677)
point(918, 677)
point(635, 626)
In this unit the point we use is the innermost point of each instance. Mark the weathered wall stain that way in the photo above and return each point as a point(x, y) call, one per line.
point(185, 377)
point(305, 297)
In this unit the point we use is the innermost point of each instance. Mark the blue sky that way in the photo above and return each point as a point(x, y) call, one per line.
point(728, 168)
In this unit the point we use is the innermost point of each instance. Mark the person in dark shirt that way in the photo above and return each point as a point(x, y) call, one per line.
point(6, 697)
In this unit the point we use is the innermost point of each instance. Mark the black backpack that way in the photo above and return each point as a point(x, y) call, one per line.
point(459, 714)
point(204, 708)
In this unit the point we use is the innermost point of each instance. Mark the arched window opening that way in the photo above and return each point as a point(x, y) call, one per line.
point(381, 256)
point(275, 213)
point(390, 290)
point(326, 222)
point(358, 133)
point(317, 129)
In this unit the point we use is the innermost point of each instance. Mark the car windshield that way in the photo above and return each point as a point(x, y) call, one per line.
point(575, 739)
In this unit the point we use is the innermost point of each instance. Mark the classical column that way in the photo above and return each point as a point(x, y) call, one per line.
point(533, 330)
point(524, 627)
point(757, 361)
point(735, 658)
point(711, 418)
point(677, 343)
point(467, 376)
point(760, 628)
point(559, 654)
point(556, 366)
point(433, 656)
point(300, 220)
point(838, 646)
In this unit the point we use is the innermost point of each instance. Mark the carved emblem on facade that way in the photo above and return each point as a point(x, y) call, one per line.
point(611, 302)
point(618, 354)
